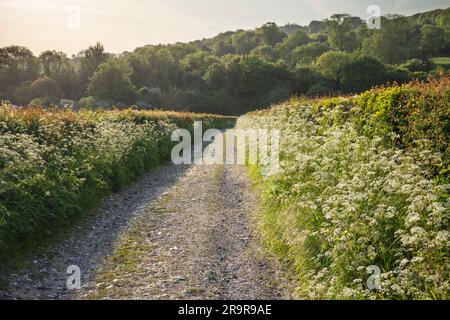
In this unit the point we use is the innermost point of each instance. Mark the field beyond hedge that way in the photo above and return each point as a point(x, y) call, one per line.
point(57, 164)
point(363, 182)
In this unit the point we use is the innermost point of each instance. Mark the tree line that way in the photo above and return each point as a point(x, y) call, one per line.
point(233, 72)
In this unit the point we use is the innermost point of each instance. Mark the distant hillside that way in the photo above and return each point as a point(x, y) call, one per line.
point(235, 71)
point(316, 26)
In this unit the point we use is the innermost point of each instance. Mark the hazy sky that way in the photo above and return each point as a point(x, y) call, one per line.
point(127, 24)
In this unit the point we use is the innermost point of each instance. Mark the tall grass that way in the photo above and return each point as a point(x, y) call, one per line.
point(364, 182)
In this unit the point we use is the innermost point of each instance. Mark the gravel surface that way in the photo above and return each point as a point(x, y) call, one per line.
point(181, 232)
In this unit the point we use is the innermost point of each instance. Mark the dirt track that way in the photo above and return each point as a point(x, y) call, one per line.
point(181, 232)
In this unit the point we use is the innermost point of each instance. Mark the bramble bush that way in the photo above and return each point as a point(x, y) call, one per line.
point(57, 164)
point(362, 183)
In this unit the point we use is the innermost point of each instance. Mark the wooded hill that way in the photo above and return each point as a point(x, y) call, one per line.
point(238, 71)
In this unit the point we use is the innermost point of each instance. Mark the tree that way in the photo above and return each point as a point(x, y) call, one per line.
point(40, 88)
point(57, 66)
point(222, 48)
point(268, 53)
point(89, 60)
point(216, 76)
point(361, 74)
point(308, 53)
point(17, 65)
point(152, 96)
point(316, 27)
point(46, 87)
point(195, 67)
point(340, 18)
point(22, 94)
point(198, 62)
point(296, 39)
point(270, 34)
point(154, 66)
point(397, 41)
point(340, 32)
point(243, 42)
point(433, 40)
point(306, 78)
point(112, 80)
point(251, 78)
point(52, 62)
point(443, 21)
point(331, 64)
point(180, 50)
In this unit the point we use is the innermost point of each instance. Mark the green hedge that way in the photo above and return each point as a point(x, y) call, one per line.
point(363, 183)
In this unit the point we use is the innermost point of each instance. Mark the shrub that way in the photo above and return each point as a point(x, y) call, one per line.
point(22, 94)
point(415, 111)
point(44, 102)
point(45, 87)
point(112, 80)
point(87, 102)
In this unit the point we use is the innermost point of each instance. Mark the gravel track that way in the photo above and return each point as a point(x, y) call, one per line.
point(181, 232)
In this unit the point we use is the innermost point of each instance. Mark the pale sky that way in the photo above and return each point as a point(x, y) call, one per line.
point(127, 24)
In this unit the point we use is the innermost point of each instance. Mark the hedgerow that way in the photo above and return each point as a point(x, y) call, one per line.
point(363, 182)
point(56, 165)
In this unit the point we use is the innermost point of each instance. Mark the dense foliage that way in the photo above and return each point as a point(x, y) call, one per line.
point(235, 72)
point(363, 182)
point(56, 165)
